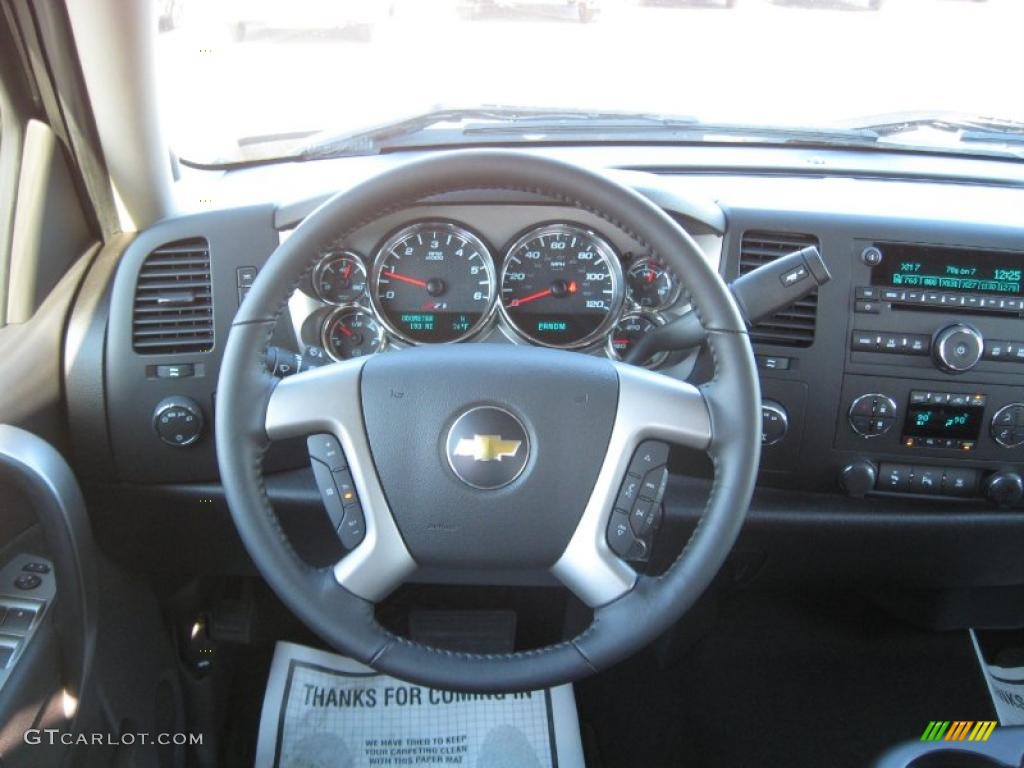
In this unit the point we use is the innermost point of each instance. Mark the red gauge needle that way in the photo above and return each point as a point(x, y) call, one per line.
point(405, 278)
point(621, 342)
point(531, 297)
point(345, 330)
point(347, 271)
point(650, 276)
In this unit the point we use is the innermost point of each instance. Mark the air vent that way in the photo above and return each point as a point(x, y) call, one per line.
point(173, 309)
point(794, 325)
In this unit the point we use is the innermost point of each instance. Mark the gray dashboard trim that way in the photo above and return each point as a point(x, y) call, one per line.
point(655, 188)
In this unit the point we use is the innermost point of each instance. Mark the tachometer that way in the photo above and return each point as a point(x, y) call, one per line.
point(561, 286)
point(433, 282)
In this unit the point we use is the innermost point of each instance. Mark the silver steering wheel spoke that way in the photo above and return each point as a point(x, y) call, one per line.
point(328, 400)
point(650, 406)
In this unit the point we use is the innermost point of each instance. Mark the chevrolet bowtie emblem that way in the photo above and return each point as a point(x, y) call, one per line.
point(487, 447)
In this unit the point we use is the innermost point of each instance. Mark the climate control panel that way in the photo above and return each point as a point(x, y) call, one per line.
point(930, 419)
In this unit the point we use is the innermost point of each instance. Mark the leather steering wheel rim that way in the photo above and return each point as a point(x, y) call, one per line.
point(626, 618)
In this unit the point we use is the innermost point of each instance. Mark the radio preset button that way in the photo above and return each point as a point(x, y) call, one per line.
point(867, 292)
point(891, 343)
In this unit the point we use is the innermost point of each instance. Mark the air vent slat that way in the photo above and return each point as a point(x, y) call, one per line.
point(173, 310)
point(174, 285)
point(174, 274)
point(793, 326)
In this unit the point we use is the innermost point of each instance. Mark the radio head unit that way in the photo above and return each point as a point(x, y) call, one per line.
point(958, 270)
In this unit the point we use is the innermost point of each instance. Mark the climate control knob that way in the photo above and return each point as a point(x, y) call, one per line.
point(178, 421)
point(858, 479)
point(1007, 427)
point(1004, 488)
point(872, 415)
point(958, 348)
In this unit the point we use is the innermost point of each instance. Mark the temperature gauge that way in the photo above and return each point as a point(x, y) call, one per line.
point(628, 332)
point(651, 285)
point(352, 332)
point(340, 278)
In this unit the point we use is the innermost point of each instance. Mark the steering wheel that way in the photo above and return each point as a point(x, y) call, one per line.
point(578, 417)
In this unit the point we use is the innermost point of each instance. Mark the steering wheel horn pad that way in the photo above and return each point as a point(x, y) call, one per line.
point(575, 418)
point(566, 403)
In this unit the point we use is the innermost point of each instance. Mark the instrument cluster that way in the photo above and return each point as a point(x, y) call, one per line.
point(558, 284)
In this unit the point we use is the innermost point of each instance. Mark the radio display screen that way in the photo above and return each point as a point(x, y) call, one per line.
point(958, 422)
point(949, 269)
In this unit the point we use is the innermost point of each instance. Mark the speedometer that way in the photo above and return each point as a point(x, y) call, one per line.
point(561, 286)
point(433, 282)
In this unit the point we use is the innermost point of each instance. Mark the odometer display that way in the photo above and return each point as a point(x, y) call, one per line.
point(561, 286)
point(433, 282)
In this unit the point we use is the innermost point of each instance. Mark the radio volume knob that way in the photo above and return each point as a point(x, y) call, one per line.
point(958, 348)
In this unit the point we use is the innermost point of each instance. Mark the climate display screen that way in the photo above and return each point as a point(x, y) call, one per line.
point(949, 269)
point(960, 422)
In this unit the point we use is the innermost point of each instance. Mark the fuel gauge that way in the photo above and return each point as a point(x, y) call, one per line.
point(652, 285)
point(352, 332)
point(629, 330)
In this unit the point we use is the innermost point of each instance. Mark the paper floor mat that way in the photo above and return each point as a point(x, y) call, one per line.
point(327, 711)
point(1005, 686)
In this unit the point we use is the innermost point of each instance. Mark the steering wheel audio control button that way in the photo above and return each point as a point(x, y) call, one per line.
point(620, 534)
point(353, 527)
point(325, 448)
point(328, 492)
point(650, 454)
point(629, 492)
point(645, 518)
point(653, 486)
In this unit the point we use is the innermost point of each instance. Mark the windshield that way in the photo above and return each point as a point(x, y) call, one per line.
point(244, 80)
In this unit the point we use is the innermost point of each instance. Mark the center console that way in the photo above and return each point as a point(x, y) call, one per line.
point(931, 394)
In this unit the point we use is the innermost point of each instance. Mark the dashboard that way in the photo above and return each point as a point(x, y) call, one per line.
point(539, 275)
point(893, 405)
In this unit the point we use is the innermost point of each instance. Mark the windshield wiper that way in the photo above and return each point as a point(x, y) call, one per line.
point(988, 130)
point(520, 120)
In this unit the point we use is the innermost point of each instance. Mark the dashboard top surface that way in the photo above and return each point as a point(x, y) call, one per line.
point(700, 179)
